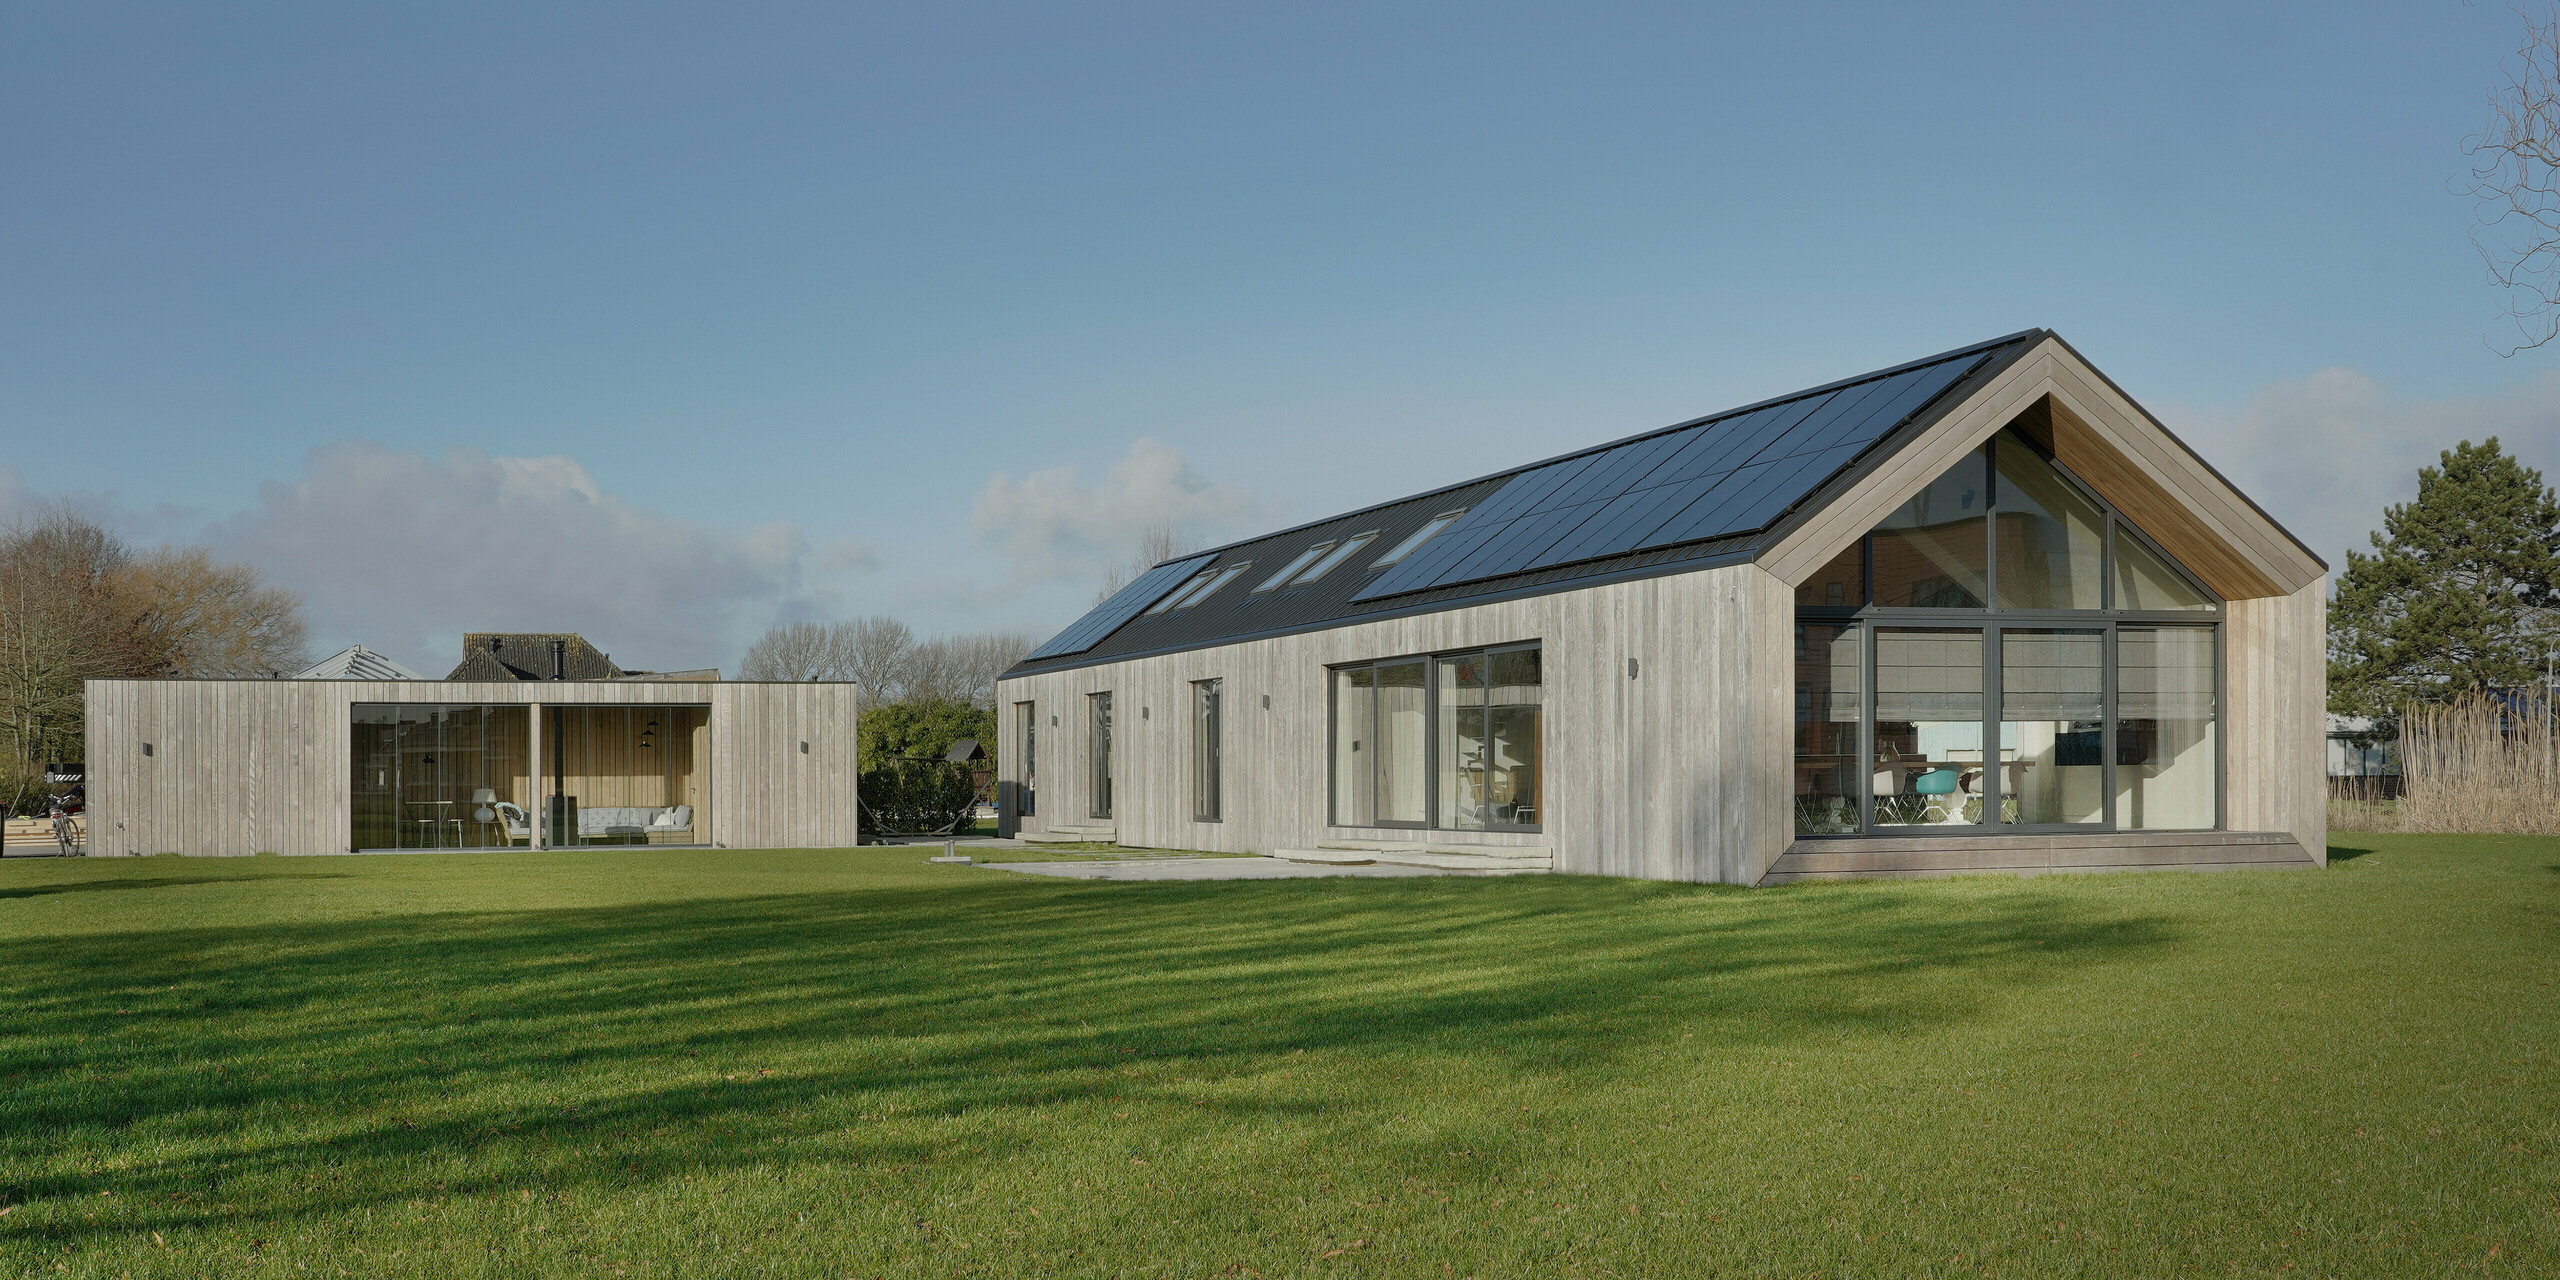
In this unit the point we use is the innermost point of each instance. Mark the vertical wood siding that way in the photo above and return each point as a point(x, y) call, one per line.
point(1677, 774)
point(248, 766)
point(2276, 662)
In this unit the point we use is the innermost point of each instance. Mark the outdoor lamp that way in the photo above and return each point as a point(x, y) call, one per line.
point(482, 798)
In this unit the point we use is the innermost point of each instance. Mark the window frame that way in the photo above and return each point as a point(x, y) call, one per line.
point(1994, 622)
point(1431, 528)
point(1431, 740)
point(1344, 550)
point(1208, 749)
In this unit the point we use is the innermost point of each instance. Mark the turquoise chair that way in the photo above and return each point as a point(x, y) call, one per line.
point(1939, 785)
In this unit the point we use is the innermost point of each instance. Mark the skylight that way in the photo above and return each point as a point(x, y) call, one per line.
point(1290, 570)
point(1340, 554)
point(1174, 597)
point(1210, 588)
point(1420, 536)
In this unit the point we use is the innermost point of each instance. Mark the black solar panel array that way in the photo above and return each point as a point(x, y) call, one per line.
point(1713, 479)
point(1123, 605)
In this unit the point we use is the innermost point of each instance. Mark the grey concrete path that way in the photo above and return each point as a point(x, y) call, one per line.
point(1203, 869)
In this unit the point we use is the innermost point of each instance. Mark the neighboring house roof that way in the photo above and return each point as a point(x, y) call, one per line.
point(355, 662)
point(526, 655)
point(1727, 488)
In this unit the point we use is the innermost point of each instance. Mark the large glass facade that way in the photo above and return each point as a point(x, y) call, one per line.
point(626, 775)
point(2017, 657)
point(439, 776)
point(1452, 742)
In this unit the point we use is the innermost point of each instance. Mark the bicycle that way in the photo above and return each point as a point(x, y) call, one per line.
point(70, 823)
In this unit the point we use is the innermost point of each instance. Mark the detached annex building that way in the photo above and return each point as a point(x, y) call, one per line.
point(533, 741)
point(1976, 612)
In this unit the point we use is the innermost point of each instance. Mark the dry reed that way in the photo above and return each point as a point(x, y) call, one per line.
point(2477, 765)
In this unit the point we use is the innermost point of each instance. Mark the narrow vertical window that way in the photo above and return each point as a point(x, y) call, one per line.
point(1098, 753)
point(1403, 742)
point(1355, 715)
point(2165, 759)
point(2052, 725)
point(1205, 749)
point(1027, 789)
point(1828, 702)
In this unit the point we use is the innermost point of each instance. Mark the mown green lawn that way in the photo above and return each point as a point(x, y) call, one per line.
point(850, 1063)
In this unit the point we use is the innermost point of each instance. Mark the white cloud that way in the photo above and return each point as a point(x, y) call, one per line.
point(2325, 454)
point(404, 553)
point(1053, 524)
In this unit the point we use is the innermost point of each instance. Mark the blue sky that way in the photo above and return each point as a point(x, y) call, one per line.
point(666, 324)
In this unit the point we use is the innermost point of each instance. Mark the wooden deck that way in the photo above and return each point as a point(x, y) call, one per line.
point(1957, 855)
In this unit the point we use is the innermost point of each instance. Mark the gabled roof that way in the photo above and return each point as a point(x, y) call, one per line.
point(526, 655)
point(355, 662)
point(1726, 488)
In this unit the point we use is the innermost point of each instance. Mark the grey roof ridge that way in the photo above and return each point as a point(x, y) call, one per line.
point(1753, 407)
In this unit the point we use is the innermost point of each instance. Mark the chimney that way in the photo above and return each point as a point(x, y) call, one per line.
point(559, 659)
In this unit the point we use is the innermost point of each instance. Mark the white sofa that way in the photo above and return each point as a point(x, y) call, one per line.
point(610, 820)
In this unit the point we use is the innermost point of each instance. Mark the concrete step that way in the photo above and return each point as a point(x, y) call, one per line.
point(1444, 857)
point(1070, 835)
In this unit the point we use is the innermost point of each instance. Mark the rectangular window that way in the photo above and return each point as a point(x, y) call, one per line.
point(1180, 594)
point(1829, 677)
point(1403, 741)
point(2166, 760)
point(1205, 748)
point(1098, 754)
point(627, 775)
point(1929, 754)
point(2052, 726)
point(1355, 741)
point(439, 776)
point(1453, 742)
point(1027, 789)
point(1418, 537)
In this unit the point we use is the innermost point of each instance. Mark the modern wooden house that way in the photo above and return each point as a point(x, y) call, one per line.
point(338, 765)
point(1976, 612)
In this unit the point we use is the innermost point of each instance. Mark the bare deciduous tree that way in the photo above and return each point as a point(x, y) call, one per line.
point(2516, 178)
point(1159, 543)
point(194, 616)
point(875, 655)
point(76, 604)
point(793, 651)
point(884, 657)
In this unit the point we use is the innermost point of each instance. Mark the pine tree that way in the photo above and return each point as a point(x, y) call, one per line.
point(2458, 597)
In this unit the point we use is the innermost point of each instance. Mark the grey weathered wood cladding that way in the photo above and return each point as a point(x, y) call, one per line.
point(249, 766)
point(1680, 766)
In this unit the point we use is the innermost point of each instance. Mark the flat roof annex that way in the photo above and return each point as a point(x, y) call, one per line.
point(1747, 484)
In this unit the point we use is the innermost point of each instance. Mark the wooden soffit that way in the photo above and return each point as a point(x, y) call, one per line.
point(2104, 437)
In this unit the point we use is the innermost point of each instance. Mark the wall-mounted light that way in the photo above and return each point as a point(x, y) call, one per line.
point(1266, 702)
point(804, 748)
point(146, 748)
point(1631, 668)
